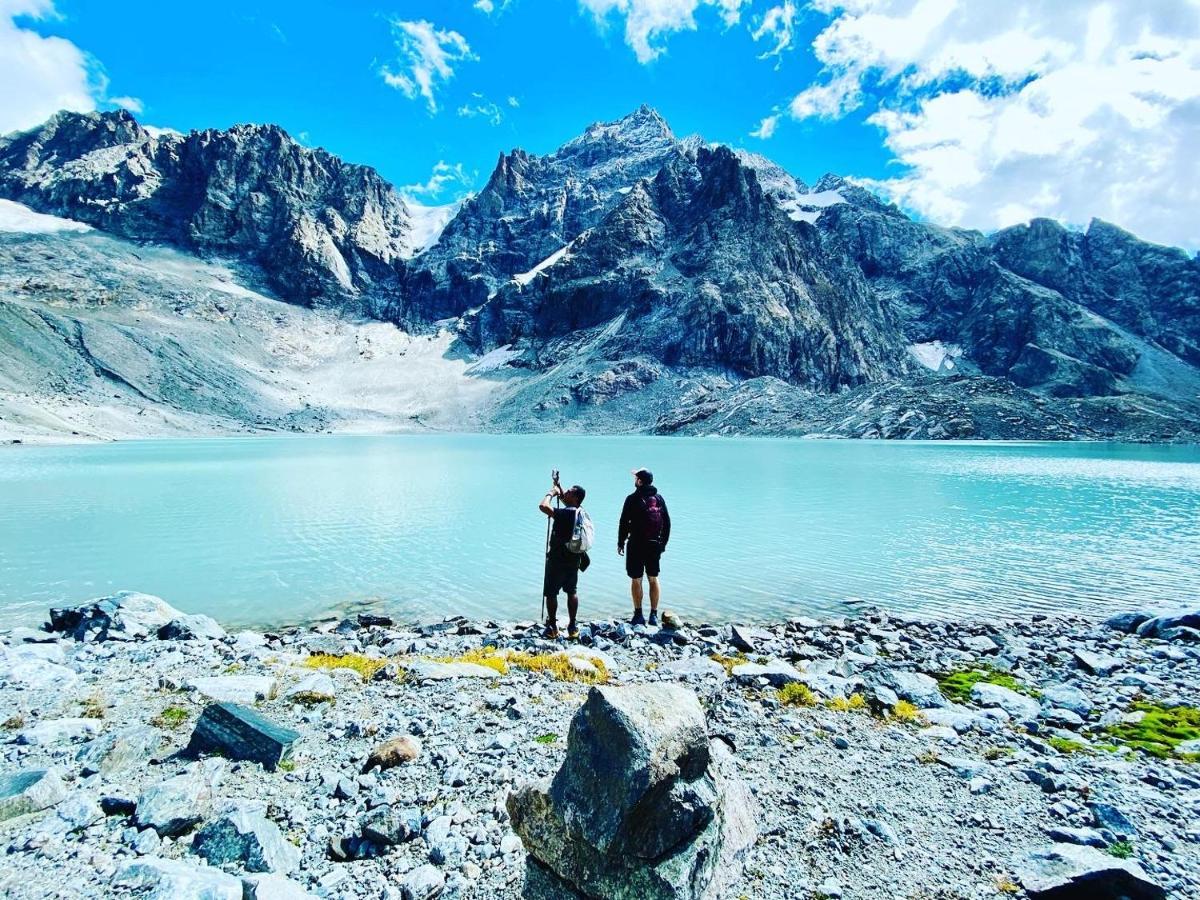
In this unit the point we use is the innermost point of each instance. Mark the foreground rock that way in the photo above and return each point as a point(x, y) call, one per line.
point(248, 838)
point(644, 806)
point(125, 616)
point(1071, 872)
point(168, 879)
point(22, 793)
point(238, 732)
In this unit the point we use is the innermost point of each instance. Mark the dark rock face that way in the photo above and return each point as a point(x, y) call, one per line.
point(238, 732)
point(324, 232)
point(644, 805)
point(630, 262)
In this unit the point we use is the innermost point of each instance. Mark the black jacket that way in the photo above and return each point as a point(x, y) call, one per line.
point(633, 517)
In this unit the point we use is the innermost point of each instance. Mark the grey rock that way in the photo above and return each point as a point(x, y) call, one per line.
point(58, 731)
point(238, 732)
point(422, 883)
point(315, 687)
point(168, 879)
point(391, 825)
point(1127, 622)
point(1070, 872)
point(191, 628)
point(243, 689)
point(124, 616)
point(29, 791)
point(644, 805)
point(915, 687)
point(119, 751)
point(264, 886)
point(1156, 626)
point(176, 805)
point(427, 670)
point(775, 671)
point(1068, 697)
point(1111, 819)
point(1087, 837)
point(1019, 706)
point(248, 838)
point(1097, 663)
point(694, 667)
point(77, 812)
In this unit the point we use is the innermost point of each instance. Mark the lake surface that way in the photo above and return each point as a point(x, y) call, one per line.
point(269, 530)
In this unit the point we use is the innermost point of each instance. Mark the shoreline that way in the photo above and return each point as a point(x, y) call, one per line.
point(970, 749)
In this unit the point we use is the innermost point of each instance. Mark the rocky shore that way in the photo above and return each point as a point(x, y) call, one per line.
point(148, 753)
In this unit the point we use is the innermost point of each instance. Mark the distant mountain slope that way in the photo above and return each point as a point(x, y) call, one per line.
point(629, 280)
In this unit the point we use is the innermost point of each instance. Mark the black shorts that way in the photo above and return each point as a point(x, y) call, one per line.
point(642, 559)
point(562, 574)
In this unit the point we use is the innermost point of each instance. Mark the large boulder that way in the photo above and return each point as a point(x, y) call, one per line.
point(120, 750)
point(246, 837)
point(241, 733)
point(125, 616)
point(1071, 872)
point(1161, 626)
point(155, 878)
point(645, 805)
point(29, 791)
point(176, 805)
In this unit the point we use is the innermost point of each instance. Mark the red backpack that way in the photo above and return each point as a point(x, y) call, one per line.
point(652, 522)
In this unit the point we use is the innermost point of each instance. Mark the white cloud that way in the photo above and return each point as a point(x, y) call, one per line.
point(1061, 108)
point(452, 178)
point(514, 102)
point(41, 75)
point(487, 7)
point(778, 24)
point(648, 22)
point(133, 104)
point(426, 58)
point(481, 107)
point(766, 128)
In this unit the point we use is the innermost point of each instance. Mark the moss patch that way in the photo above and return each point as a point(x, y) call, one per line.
point(170, 718)
point(1066, 745)
point(557, 665)
point(1161, 730)
point(957, 685)
point(1121, 850)
point(796, 694)
point(489, 657)
point(906, 712)
point(366, 666)
point(548, 738)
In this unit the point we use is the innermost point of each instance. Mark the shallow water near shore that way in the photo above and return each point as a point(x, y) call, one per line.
point(273, 530)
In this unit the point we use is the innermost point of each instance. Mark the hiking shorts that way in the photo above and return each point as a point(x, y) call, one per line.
point(562, 574)
point(642, 560)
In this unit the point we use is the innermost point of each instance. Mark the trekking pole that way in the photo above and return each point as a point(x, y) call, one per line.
point(546, 561)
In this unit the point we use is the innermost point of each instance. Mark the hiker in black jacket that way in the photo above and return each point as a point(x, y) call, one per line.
point(646, 526)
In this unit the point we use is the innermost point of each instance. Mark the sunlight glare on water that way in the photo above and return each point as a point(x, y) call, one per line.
point(271, 530)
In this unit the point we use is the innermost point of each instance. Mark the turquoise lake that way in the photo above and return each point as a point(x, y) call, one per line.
point(266, 531)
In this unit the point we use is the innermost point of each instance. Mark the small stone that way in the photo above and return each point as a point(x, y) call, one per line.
point(58, 731)
point(1097, 663)
point(397, 751)
point(265, 886)
point(422, 883)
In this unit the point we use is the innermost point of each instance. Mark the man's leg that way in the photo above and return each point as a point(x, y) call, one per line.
point(572, 611)
point(653, 593)
point(552, 612)
point(635, 590)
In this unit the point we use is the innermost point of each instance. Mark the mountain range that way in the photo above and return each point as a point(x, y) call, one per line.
point(153, 282)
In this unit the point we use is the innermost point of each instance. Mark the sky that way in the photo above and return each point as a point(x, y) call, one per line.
point(965, 112)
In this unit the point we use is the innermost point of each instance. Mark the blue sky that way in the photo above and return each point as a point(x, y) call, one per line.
point(317, 75)
point(970, 112)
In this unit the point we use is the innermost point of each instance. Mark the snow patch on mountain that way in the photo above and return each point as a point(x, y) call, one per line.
point(16, 218)
point(427, 223)
point(525, 277)
point(935, 355)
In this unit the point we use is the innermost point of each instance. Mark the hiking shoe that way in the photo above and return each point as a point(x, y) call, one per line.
point(550, 633)
point(653, 620)
point(572, 632)
point(638, 618)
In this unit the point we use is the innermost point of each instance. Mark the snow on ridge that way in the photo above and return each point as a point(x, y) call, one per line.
point(525, 277)
point(492, 360)
point(16, 218)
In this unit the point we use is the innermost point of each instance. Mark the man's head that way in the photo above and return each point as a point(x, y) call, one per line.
point(643, 477)
point(574, 495)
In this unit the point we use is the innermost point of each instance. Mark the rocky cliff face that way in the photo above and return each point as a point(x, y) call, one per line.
point(630, 267)
point(323, 232)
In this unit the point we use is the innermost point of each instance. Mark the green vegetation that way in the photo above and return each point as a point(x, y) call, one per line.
point(548, 738)
point(12, 723)
point(957, 685)
point(853, 703)
point(1121, 850)
point(1067, 745)
point(796, 694)
point(310, 698)
point(287, 765)
point(730, 661)
point(170, 718)
point(1161, 730)
point(365, 666)
point(994, 753)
